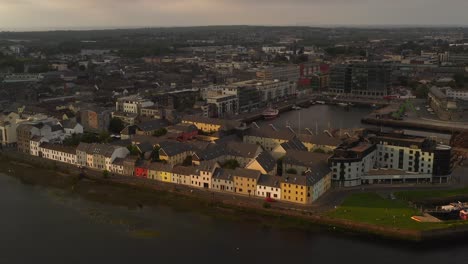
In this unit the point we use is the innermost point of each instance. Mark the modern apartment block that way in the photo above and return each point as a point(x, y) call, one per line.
point(361, 79)
point(389, 158)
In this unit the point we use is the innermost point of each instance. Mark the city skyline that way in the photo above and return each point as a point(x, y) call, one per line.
point(89, 14)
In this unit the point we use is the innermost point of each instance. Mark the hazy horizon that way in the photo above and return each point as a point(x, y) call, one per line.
point(40, 15)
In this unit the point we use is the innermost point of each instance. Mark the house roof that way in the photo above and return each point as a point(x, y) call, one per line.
point(246, 173)
point(182, 128)
point(158, 166)
point(118, 161)
point(98, 149)
point(317, 162)
point(225, 124)
point(152, 125)
point(268, 132)
point(269, 180)
point(309, 179)
point(208, 165)
point(183, 170)
point(245, 150)
point(294, 144)
point(224, 174)
point(171, 148)
point(266, 161)
point(145, 147)
point(59, 147)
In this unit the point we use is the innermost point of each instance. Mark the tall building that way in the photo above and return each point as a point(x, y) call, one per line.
point(361, 79)
point(284, 73)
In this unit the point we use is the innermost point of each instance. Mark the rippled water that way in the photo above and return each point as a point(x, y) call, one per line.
point(40, 225)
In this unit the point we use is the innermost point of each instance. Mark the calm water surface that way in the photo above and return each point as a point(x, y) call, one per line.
point(40, 225)
point(321, 116)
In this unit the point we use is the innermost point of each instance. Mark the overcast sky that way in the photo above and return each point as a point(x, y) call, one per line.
point(30, 14)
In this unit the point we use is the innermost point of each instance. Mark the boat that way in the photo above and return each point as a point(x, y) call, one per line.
point(464, 214)
point(320, 102)
point(270, 113)
point(343, 104)
point(312, 102)
point(295, 107)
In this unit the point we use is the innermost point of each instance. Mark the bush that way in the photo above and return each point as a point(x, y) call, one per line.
point(105, 174)
point(319, 150)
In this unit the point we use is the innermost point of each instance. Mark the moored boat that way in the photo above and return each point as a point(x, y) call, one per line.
point(270, 113)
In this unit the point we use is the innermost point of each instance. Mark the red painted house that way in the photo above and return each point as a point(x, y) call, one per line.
point(141, 169)
point(183, 132)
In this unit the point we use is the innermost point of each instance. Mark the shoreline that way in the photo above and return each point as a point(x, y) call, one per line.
point(115, 192)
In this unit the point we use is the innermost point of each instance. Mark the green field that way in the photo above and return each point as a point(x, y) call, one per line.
point(420, 195)
point(373, 209)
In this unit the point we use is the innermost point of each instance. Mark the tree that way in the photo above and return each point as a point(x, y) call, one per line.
point(105, 174)
point(104, 137)
point(133, 150)
point(116, 125)
point(160, 132)
point(421, 91)
point(291, 171)
point(155, 154)
point(187, 161)
point(279, 166)
point(319, 150)
point(231, 164)
point(459, 80)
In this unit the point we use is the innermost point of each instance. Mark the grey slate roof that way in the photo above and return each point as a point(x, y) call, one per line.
point(294, 144)
point(174, 148)
point(269, 181)
point(223, 174)
point(153, 125)
point(266, 161)
point(317, 162)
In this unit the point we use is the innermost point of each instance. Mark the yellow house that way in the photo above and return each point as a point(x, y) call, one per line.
point(264, 163)
point(210, 125)
point(174, 153)
point(270, 138)
point(322, 141)
point(304, 189)
point(245, 181)
point(160, 172)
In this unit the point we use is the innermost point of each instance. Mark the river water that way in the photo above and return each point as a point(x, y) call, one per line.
point(321, 117)
point(42, 225)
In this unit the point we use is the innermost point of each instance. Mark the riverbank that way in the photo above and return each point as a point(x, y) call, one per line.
point(123, 193)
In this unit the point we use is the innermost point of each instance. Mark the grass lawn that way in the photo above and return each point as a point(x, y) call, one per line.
point(373, 209)
point(419, 195)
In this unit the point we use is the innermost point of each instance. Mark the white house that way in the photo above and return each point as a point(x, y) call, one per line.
point(58, 153)
point(71, 127)
point(269, 186)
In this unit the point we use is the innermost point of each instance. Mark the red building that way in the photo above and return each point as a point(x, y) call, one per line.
point(183, 132)
point(141, 170)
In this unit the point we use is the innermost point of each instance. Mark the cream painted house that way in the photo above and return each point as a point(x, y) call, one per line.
point(58, 153)
point(269, 186)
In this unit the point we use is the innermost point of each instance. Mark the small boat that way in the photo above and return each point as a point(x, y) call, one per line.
point(464, 214)
point(312, 102)
point(374, 105)
point(343, 104)
point(270, 113)
point(295, 107)
point(320, 102)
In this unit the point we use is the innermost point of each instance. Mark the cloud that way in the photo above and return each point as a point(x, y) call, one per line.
point(121, 13)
